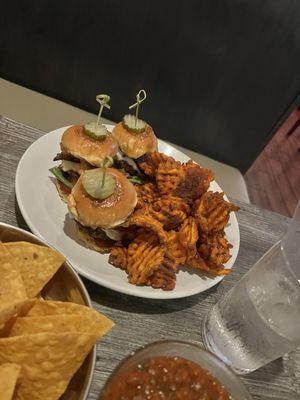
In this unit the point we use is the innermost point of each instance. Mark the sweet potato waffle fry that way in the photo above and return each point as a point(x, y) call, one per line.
point(215, 249)
point(168, 176)
point(195, 182)
point(170, 211)
point(150, 224)
point(150, 162)
point(145, 255)
point(176, 249)
point(163, 278)
point(118, 257)
point(147, 194)
point(188, 233)
point(177, 222)
point(212, 212)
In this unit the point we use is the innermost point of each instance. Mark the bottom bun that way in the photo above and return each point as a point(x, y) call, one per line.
point(63, 191)
point(100, 245)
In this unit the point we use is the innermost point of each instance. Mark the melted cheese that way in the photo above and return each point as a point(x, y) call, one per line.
point(70, 166)
point(113, 234)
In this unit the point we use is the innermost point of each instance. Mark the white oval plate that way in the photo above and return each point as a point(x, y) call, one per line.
point(47, 217)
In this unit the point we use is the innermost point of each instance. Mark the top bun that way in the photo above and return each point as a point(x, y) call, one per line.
point(135, 145)
point(106, 213)
point(82, 146)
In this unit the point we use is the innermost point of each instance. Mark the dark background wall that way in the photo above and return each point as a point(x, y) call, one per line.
point(219, 73)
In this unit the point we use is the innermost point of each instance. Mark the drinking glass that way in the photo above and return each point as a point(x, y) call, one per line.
point(259, 319)
point(188, 351)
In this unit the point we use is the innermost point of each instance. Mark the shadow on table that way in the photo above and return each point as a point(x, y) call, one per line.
point(19, 217)
point(136, 305)
point(268, 372)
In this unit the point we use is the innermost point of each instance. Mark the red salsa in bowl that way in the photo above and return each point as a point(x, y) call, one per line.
point(173, 370)
point(166, 378)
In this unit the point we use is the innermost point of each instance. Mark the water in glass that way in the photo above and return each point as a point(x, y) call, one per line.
point(259, 319)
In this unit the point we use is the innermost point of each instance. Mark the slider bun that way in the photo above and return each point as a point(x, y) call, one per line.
point(82, 146)
point(62, 193)
point(106, 213)
point(135, 145)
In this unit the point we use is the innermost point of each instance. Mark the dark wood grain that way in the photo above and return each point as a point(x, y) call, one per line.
point(141, 321)
point(219, 74)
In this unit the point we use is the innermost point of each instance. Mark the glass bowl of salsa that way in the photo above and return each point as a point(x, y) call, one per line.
point(173, 370)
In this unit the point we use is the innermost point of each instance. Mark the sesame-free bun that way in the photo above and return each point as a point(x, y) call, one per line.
point(135, 145)
point(82, 146)
point(63, 193)
point(106, 213)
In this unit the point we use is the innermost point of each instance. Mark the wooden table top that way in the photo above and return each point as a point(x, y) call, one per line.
point(141, 321)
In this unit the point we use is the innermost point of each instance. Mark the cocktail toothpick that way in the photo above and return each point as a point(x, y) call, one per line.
point(140, 97)
point(103, 100)
point(108, 161)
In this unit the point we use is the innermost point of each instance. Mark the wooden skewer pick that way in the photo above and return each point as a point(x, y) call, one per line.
point(106, 163)
point(103, 177)
point(140, 97)
point(103, 100)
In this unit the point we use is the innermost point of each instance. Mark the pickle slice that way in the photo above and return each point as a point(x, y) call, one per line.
point(98, 186)
point(95, 131)
point(133, 125)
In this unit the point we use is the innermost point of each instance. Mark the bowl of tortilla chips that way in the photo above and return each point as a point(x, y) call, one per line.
point(48, 329)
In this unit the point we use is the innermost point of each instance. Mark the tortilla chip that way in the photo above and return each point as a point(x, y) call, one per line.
point(93, 323)
point(11, 284)
point(36, 264)
point(48, 361)
point(10, 311)
point(12, 289)
point(50, 307)
point(8, 379)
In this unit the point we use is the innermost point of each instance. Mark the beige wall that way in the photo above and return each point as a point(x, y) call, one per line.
point(46, 113)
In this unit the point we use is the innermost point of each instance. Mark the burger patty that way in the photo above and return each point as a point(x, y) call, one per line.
point(123, 164)
point(71, 175)
point(118, 163)
point(66, 156)
point(97, 233)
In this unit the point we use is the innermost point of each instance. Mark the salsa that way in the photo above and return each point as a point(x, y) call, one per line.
point(165, 378)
